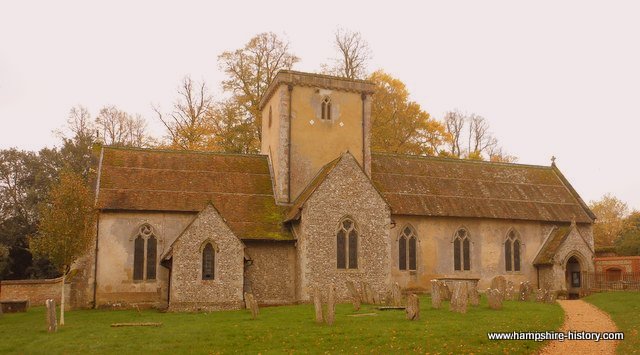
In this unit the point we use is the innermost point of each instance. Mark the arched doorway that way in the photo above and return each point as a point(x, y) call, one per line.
point(573, 274)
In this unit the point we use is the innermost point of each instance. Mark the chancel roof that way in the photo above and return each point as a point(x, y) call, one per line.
point(429, 186)
point(239, 186)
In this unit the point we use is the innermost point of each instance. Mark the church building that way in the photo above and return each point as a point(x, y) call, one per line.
point(195, 230)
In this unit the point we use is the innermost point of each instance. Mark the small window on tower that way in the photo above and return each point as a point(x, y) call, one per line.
point(326, 108)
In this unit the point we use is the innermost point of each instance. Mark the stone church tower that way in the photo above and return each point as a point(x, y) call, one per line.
point(307, 121)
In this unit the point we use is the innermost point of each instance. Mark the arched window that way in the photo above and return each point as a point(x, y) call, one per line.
point(407, 252)
point(461, 252)
point(347, 245)
point(145, 258)
point(208, 262)
point(326, 108)
point(512, 252)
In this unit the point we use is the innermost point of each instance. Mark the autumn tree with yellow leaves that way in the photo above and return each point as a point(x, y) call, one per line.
point(400, 125)
point(66, 227)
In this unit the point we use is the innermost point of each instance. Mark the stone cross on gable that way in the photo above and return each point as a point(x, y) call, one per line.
point(553, 160)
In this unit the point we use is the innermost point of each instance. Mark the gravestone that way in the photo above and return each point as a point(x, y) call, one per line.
point(494, 298)
point(331, 306)
point(540, 295)
point(459, 297)
point(525, 290)
point(252, 304)
point(499, 283)
point(413, 307)
point(436, 294)
point(396, 293)
point(317, 303)
point(474, 297)
point(369, 293)
point(52, 322)
point(355, 296)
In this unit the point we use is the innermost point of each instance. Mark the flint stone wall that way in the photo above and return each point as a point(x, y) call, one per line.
point(271, 275)
point(188, 290)
point(345, 192)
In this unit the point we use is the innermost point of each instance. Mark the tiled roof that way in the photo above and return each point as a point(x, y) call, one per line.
point(431, 186)
point(551, 245)
point(239, 186)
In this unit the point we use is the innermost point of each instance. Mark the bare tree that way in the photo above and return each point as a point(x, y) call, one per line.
point(475, 130)
point(249, 71)
point(187, 125)
point(118, 128)
point(454, 122)
point(480, 139)
point(353, 54)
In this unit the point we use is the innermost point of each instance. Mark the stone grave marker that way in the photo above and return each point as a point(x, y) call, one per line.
point(331, 306)
point(436, 294)
point(459, 297)
point(499, 283)
point(396, 294)
point(525, 291)
point(474, 297)
point(510, 292)
point(52, 322)
point(413, 307)
point(495, 298)
point(317, 303)
point(355, 296)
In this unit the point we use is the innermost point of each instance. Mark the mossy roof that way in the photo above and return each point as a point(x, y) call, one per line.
point(551, 245)
point(430, 186)
point(239, 186)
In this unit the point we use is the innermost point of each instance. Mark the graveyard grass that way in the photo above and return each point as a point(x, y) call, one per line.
point(624, 309)
point(283, 329)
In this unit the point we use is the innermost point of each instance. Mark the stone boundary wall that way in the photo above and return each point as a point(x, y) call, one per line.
point(36, 291)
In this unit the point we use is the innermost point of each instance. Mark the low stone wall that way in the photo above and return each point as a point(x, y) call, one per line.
point(35, 291)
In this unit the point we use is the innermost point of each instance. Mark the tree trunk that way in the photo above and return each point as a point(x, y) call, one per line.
point(64, 274)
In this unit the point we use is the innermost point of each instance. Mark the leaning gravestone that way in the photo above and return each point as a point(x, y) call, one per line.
point(355, 296)
point(52, 322)
point(474, 297)
point(540, 295)
point(317, 303)
point(459, 298)
point(396, 293)
point(436, 295)
point(331, 306)
point(499, 283)
point(494, 297)
point(525, 290)
point(413, 307)
point(252, 304)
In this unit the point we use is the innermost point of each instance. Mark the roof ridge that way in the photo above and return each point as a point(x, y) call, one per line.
point(462, 160)
point(320, 75)
point(184, 151)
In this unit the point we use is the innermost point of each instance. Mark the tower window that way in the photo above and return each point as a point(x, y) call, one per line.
point(326, 108)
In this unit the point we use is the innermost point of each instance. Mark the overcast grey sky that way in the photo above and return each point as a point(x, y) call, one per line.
point(552, 77)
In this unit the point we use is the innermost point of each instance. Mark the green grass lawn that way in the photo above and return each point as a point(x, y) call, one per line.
point(624, 308)
point(281, 329)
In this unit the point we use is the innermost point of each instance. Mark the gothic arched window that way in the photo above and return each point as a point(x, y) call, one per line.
point(347, 245)
point(208, 262)
point(407, 252)
point(512, 252)
point(461, 251)
point(326, 108)
point(145, 254)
